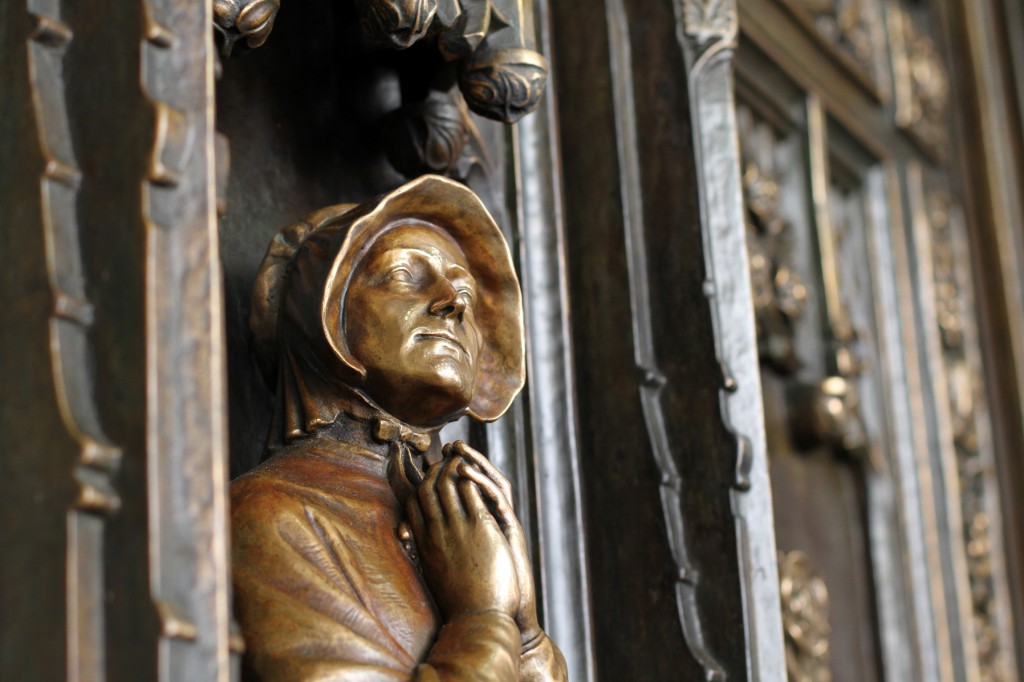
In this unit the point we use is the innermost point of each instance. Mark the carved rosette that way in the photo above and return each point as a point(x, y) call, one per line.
point(804, 619)
point(922, 84)
point(964, 390)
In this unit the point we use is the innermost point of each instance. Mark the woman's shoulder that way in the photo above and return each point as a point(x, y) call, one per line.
point(299, 478)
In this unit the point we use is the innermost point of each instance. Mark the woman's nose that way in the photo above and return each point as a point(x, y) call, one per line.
point(448, 303)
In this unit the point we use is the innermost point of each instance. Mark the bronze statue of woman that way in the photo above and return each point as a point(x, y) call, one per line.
point(362, 549)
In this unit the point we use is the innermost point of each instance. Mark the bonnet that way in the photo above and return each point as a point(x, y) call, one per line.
point(297, 316)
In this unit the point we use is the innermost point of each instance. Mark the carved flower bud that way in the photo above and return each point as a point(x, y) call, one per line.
point(428, 136)
point(398, 22)
point(251, 20)
point(504, 85)
point(225, 12)
point(462, 32)
point(256, 21)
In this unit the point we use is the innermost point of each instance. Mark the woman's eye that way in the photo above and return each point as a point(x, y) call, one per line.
point(402, 275)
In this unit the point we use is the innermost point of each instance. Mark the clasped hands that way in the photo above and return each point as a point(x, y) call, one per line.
point(471, 546)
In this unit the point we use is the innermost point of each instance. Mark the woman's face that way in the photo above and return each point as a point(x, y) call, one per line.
point(409, 319)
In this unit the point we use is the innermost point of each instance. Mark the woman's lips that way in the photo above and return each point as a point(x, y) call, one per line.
point(444, 336)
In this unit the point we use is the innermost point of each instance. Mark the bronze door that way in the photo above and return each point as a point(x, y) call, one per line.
point(886, 497)
point(770, 256)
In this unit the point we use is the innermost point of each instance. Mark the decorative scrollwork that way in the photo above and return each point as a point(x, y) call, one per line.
point(805, 607)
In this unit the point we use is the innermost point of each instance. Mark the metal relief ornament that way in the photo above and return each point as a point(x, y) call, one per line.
point(489, 41)
point(435, 135)
point(853, 26)
point(708, 21)
point(964, 390)
point(244, 20)
point(829, 412)
point(922, 84)
point(780, 295)
point(706, 31)
point(94, 459)
point(361, 546)
point(805, 619)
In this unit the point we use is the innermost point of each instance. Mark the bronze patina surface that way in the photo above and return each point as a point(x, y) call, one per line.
point(363, 549)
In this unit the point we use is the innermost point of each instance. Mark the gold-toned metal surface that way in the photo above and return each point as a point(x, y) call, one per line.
point(361, 546)
point(805, 618)
point(186, 398)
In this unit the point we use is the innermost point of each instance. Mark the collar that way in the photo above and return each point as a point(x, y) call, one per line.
point(408, 449)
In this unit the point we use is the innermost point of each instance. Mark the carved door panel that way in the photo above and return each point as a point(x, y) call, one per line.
point(149, 150)
point(886, 503)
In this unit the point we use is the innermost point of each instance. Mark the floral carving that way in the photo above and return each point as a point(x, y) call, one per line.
point(805, 606)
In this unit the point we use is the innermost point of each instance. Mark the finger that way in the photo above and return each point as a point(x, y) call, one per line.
point(447, 493)
point(427, 495)
point(503, 508)
point(476, 458)
point(471, 499)
point(416, 520)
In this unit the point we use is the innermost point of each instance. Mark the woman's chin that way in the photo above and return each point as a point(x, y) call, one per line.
point(440, 397)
